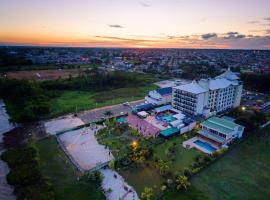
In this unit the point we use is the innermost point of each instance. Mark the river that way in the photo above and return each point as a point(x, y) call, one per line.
point(6, 190)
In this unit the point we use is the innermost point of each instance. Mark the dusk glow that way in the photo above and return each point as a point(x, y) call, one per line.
point(141, 24)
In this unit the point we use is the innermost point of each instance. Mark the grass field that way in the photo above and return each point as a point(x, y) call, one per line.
point(56, 165)
point(70, 101)
point(182, 157)
point(243, 173)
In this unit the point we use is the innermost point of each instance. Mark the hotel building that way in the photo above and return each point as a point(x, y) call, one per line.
point(208, 96)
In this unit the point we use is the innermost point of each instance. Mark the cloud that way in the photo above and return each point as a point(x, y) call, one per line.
point(144, 4)
point(234, 35)
point(208, 36)
point(253, 22)
point(267, 18)
point(115, 26)
point(267, 31)
point(121, 38)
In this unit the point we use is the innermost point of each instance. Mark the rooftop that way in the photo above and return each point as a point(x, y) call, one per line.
point(222, 125)
point(169, 132)
point(220, 83)
point(164, 91)
point(193, 88)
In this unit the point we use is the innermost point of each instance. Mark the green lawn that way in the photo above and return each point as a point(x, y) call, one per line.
point(141, 177)
point(243, 173)
point(56, 165)
point(148, 176)
point(69, 101)
point(183, 157)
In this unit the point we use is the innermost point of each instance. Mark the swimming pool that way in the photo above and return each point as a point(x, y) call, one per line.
point(167, 118)
point(205, 145)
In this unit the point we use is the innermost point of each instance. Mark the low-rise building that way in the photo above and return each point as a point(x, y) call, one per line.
point(220, 130)
point(160, 96)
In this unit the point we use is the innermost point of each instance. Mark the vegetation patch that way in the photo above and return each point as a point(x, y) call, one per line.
point(67, 181)
point(26, 176)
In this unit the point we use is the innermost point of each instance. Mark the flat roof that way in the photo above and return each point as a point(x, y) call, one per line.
point(163, 108)
point(193, 88)
point(168, 132)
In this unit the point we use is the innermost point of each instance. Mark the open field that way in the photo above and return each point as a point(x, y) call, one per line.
point(72, 101)
point(50, 74)
point(45, 67)
point(243, 173)
point(56, 165)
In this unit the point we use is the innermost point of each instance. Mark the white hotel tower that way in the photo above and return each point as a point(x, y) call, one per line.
point(208, 96)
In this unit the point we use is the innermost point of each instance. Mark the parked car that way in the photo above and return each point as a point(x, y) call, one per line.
point(126, 104)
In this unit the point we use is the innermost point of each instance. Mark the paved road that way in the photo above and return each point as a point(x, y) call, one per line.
point(98, 113)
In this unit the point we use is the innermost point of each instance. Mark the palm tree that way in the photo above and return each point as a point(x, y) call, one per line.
point(182, 183)
point(163, 167)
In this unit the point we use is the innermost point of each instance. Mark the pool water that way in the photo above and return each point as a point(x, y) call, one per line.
point(205, 145)
point(167, 118)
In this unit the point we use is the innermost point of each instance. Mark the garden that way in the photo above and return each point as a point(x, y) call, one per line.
point(153, 165)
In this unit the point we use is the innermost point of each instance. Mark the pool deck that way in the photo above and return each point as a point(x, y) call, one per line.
point(190, 144)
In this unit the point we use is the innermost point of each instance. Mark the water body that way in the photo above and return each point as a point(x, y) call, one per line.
point(6, 190)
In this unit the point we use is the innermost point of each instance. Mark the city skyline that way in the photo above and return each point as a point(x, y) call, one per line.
point(239, 24)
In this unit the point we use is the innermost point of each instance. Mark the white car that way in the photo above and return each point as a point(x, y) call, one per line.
point(126, 104)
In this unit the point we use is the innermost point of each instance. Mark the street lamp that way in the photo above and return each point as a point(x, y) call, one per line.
point(243, 108)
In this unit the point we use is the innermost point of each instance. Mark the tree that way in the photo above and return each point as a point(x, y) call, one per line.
point(112, 164)
point(108, 113)
point(147, 194)
point(163, 167)
point(182, 183)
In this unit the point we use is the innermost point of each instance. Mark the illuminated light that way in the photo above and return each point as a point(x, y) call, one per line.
point(134, 144)
point(243, 108)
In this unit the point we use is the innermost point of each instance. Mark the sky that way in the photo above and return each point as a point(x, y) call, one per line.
point(233, 24)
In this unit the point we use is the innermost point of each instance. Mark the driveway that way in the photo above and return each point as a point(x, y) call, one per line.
point(98, 113)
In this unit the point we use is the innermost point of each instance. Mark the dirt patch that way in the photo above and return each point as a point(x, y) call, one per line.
point(43, 74)
point(21, 136)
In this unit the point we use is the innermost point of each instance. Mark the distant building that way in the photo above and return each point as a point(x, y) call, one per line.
point(160, 96)
point(221, 130)
point(208, 96)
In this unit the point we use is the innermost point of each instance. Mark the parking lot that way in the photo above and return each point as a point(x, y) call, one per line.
point(97, 114)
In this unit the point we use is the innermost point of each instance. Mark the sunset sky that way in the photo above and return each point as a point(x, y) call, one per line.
point(240, 24)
